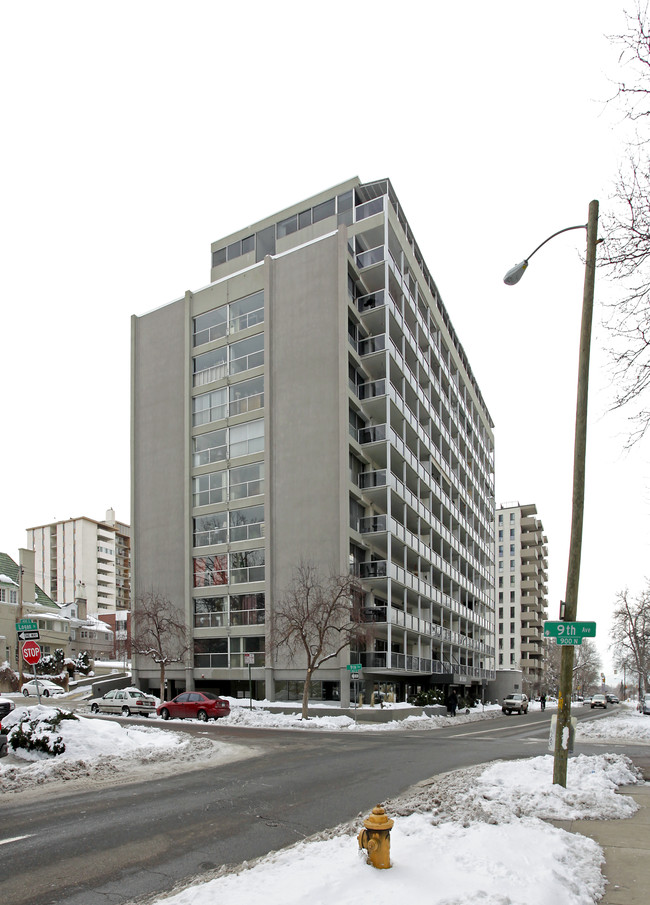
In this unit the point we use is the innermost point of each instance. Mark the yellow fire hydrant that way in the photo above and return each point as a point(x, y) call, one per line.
point(375, 838)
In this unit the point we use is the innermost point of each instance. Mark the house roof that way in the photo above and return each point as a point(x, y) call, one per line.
point(11, 569)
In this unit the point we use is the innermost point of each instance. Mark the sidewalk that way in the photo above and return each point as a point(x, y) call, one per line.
point(626, 845)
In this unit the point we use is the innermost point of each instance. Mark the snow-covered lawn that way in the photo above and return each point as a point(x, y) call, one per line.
point(471, 836)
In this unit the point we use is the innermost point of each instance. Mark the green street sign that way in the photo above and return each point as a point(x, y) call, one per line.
point(569, 632)
point(354, 667)
point(27, 625)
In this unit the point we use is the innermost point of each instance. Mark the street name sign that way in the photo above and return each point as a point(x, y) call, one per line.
point(354, 667)
point(26, 625)
point(569, 632)
point(29, 636)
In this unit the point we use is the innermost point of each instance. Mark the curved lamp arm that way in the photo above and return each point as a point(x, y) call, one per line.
point(516, 273)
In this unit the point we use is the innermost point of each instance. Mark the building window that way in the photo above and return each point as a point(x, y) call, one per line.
point(246, 524)
point(512, 518)
point(209, 407)
point(512, 580)
point(500, 565)
point(246, 396)
point(512, 565)
point(246, 312)
point(210, 612)
point(512, 534)
point(500, 581)
point(246, 566)
point(246, 354)
point(210, 570)
point(246, 480)
point(501, 519)
point(500, 659)
point(210, 366)
point(512, 644)
point(210, 326)
point(501, 628)
point(512, 596)
point(512, 612)
point(512, 628)
point(246, 439)
point(512, 659)
point(501, 534)
point(500, 549)
point(512, 549)
point(247, 609)
point(500, 612)
point(217, 446)
point(500, 601)
point(211, 529)
point(209, 448)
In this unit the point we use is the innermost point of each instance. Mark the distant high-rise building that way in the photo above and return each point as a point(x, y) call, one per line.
point(521, 558)
point(83, 558)
point(313, 402)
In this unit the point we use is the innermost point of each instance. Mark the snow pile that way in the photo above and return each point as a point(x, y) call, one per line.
point(98, 750)
point(241, 715)
point(626, 725)
point(470, 836)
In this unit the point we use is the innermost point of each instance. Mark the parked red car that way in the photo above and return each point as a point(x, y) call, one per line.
point(201, 705)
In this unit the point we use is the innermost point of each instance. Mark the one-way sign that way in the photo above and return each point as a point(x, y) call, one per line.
point(29, 636)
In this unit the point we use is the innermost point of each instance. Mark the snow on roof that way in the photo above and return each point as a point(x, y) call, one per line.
point(6, 580)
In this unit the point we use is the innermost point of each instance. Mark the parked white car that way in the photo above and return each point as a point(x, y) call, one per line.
point(125, 701)
point(45, 688)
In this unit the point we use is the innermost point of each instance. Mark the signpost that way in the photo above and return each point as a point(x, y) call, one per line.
point(569, 632)
point(355, 669)
point(249, 659)
point(32, 654)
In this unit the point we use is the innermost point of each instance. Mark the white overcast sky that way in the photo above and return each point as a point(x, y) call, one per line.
point(136, 133)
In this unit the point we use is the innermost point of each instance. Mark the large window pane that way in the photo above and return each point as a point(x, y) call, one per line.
point(208, 489)
point(247, 353)
point(246, 439)
point(246, 312)
point(246, 480)
point(246, 524)
point(209, 407)
point(246, 565)
point(247, 395)
point(288, 226)
point(210, 612)
point(209, 448)
point(326, 209)
point(211, 325)
point(265, 243)
point(210, 570)
point(210, 529)
point(209, 366)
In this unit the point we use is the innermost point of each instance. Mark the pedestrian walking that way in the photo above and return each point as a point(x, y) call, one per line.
point(542, 700)
point(453, 703)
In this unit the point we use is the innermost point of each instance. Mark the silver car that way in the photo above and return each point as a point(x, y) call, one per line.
point(125, 701)
point(515, 703)
point(645, 704)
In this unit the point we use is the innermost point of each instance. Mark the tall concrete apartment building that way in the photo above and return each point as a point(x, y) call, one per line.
point(81, 557)
point(314, 403)
point(521, 555)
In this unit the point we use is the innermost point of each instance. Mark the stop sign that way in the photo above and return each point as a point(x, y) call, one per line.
point(31, 652)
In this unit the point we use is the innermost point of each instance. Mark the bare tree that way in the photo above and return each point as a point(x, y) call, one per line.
point(586, 668)
point(317, 618)
point(626, 231)
point(158, 632)
point(631, 635)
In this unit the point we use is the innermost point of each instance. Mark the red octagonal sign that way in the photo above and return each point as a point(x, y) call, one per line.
point(31, 652)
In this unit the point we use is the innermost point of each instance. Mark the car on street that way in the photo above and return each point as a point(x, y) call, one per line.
point(200, 705)
point(515, 703)
point(645, 704)
point(125, 701)
point(612, 699)
point(6, 706)
point(599, 700)
point(45, 688)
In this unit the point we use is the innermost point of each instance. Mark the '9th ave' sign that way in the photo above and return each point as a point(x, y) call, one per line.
point(569, 632)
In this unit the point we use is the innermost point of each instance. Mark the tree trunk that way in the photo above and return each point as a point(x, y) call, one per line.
point(162, 682)
point(305, 696)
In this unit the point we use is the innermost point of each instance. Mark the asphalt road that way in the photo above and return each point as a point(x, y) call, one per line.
point(136, 840)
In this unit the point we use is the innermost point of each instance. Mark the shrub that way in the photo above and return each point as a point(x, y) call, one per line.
point(82, 663)
point(37, 734)
point(9, 678)
point(427, 697)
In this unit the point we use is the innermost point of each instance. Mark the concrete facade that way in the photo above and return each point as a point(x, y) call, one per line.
point(521, 555)
point(313, 403)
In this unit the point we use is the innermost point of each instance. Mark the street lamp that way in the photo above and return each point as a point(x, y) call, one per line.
point(513, 276)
